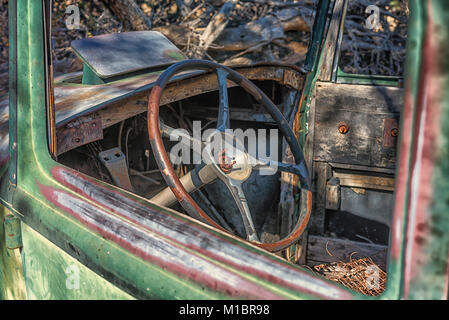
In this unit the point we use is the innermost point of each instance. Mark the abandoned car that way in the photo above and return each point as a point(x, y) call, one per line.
point(152, 175)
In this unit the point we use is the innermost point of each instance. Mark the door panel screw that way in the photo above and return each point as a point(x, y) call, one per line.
point(343, 128)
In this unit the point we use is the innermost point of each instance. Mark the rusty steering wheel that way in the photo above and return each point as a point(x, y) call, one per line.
point(232, 173)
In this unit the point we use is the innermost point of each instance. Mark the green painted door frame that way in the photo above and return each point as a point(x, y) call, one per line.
point(171, 256)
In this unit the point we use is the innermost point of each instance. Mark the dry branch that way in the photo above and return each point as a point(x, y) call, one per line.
point(185, 22)
point(130, 14)
point(215, 27)
point(278, 4)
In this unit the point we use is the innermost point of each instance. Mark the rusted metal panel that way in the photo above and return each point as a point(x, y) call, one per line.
point(156, 249)
point(194, 250)
point(115, 161)
point(74, 100)
point(333, 194)
point(79, 132)
point(391, 133)
point(421, 200)
point(350, 124)
point(365, 181)
point(293, 79)
point(118, 53)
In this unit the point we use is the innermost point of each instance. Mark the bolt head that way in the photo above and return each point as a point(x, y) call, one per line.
point(394, 132)
point(343, 128)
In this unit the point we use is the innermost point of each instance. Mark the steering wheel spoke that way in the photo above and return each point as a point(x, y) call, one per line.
point(236, 189)
point(297, 169)
point(224, 114)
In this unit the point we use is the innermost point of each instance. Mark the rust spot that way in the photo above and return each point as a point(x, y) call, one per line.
point(225, 162)
point(422, 227)
point(79, 132)
point(391, 132)
point(420, 240)
point(343, 128)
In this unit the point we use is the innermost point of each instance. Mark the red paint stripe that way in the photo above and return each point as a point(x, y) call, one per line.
point(343, 294)
point(423, 158)
point(402, 176)
point(249, 290)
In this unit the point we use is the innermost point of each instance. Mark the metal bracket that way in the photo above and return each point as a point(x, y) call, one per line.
point(292, 79)
point(391, 133)
point(115, 161)
point(333, 194)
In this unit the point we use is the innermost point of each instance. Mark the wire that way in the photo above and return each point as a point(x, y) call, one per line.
point(126, 145)
point(120, 131)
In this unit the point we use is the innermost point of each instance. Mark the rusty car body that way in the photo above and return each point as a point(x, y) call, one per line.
point(371, 149)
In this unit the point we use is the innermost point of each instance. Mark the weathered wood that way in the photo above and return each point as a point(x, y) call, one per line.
point(330, 46)
point(278, 224)
point(366, 98)
point(333, 194)
point(308, 156)
point(130, 14)
point(245, 36)
point(302, 242)
point(288, 181)
point(117, 112)
point(363, 111)
point(112, 109)
point(178, 34)
point(318, 250)
point(287, 200)
point(321, 171)
point(261, 30)
point(360, 168)
point(215, 27)
point(365, 181)
point(183, 7)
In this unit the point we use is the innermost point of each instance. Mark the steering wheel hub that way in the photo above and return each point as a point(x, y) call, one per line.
point(225, 162)
point(229, 156)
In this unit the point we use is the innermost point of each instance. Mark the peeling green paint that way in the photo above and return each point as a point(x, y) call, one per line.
point(12, 285)
point(50, 273)
point(56, 244)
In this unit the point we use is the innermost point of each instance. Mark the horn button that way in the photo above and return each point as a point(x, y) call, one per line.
point(229, 156)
